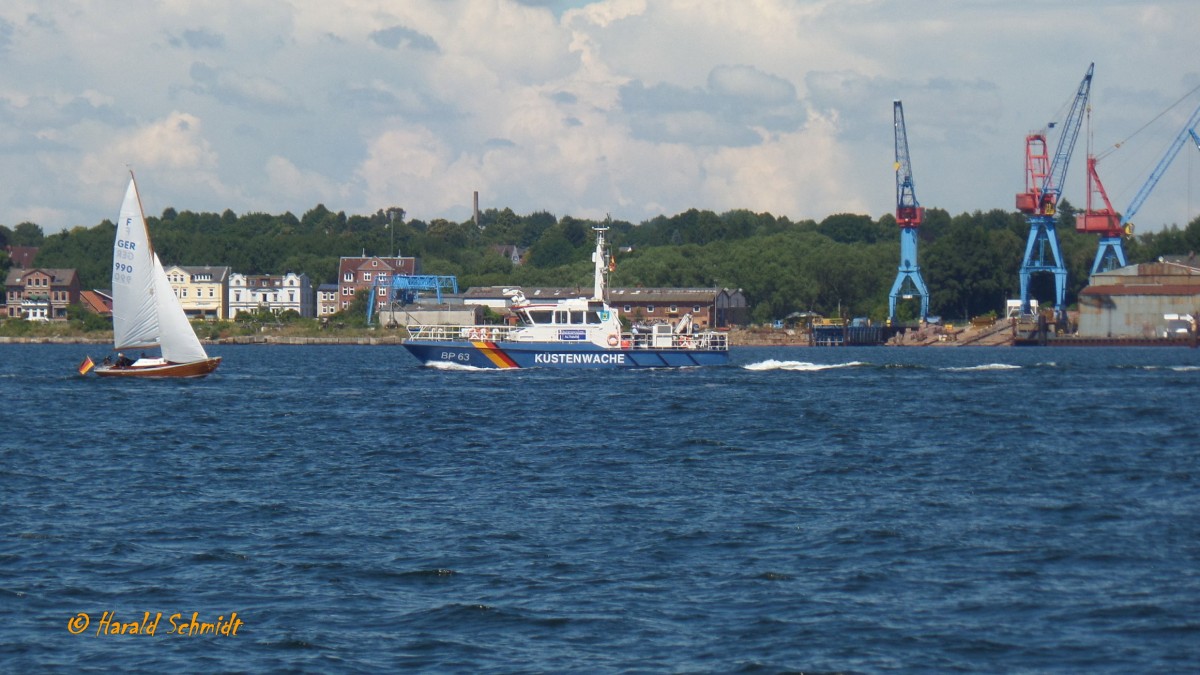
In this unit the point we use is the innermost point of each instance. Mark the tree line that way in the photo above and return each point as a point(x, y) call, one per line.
point(843, 265)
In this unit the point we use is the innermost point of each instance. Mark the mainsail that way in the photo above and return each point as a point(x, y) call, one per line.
point(146, 312)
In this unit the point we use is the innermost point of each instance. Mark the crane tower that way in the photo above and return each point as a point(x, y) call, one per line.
point(1103, 221)
point(908, 216)
point(1039, 201)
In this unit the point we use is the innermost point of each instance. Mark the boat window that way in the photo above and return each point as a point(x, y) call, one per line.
point(593, 317)
point(577, 316)
point(560, 317)
point(540, 316)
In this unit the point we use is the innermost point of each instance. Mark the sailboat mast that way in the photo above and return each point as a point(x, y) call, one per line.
point(142, 212)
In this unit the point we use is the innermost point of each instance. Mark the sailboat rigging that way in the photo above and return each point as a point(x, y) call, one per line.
point(146, 312)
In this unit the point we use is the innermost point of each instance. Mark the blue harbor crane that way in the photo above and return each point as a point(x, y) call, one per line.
point(1104, 221)
point(1039, 201)
point(908, 216)
point(405, 288)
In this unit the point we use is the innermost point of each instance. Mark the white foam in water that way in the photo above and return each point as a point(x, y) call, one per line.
point(772, 364)
point(450, 365)
point(988, 366)
point(1184, 369)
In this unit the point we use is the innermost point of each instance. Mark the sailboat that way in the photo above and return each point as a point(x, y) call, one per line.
point(146, 312)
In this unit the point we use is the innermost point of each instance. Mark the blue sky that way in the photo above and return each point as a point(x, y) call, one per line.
point(630, 107)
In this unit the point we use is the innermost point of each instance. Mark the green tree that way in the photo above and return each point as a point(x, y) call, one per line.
point(26, 234)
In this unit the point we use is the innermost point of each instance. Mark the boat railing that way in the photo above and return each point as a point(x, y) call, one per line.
point(446, 333)
point(707, 341)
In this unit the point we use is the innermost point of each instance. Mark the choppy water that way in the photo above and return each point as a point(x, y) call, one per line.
point(930, 510)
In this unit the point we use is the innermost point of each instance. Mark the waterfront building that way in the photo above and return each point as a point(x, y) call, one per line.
point(40, 293)
point(1149, 300)
point(362, 273)
point(202, 291)
point(275, 292)
point(327, 300)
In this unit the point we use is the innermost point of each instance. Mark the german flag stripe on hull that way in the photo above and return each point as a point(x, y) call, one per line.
point(494, 354)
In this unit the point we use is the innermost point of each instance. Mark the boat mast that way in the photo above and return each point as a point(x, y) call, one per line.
point(600, 262)
point(142, 213)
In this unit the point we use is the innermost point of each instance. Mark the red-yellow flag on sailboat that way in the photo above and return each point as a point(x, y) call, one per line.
point(87, 365)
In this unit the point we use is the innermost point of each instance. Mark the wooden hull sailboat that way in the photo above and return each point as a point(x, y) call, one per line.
point(146, 312)
point(160, 368)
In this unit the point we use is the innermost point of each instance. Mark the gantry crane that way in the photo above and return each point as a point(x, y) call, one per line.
point(1039, 201)
point(908, 216)
point(1104, 221)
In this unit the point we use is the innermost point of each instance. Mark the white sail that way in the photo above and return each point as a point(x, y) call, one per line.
point(135, 315)
point(146, 312)
point(176, 337)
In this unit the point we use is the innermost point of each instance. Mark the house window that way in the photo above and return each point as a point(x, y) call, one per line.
point(237, 296)
point(346, 290)
point(695, 308)
point(627, 309)
point(349, 276)
point(374, 263)
point(183, 292)
point(674, 309)
point(366, 276)
point(383, 291)
point(649, 309)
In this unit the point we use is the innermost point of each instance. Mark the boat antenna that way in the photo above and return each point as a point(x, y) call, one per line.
point(599, 260)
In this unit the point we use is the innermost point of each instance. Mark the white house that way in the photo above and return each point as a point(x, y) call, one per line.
point(278, 293)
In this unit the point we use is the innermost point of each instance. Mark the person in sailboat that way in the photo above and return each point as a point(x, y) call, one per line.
point(123, 361)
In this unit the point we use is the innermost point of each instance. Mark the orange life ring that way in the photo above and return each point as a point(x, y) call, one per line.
point(613, 340)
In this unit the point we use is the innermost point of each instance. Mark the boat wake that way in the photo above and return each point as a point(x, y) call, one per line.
point(450, 365)
point(772, 364)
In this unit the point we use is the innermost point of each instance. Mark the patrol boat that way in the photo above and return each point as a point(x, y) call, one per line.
point(577, 332)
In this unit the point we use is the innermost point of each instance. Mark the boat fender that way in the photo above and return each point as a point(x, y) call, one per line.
point(612, 340)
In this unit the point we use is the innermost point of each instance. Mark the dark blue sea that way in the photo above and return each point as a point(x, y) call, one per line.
point(803, 509)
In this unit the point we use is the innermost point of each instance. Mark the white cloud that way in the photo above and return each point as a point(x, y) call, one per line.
point(625, 106)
